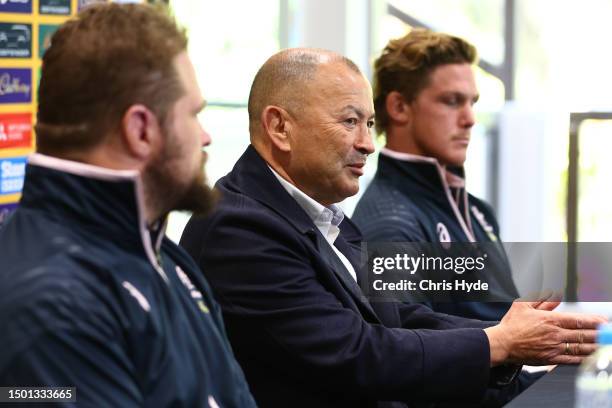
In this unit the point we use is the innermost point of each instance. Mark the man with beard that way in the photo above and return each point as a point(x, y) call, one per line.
point(92, 293)
point(284, 264)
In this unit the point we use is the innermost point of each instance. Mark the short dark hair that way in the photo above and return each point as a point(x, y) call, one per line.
point(107, 58)
point(406, 64)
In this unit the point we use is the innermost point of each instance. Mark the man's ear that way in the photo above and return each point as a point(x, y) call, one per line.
point(277, 125)
point(140, 131)
point(397, 108)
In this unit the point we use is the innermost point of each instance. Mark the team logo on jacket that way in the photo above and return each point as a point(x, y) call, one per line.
point(193, 291)
point(443, 235)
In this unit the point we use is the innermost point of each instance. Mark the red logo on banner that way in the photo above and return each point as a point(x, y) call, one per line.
point(15, 130)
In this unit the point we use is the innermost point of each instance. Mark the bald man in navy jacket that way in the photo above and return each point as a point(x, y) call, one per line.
point(283, 262)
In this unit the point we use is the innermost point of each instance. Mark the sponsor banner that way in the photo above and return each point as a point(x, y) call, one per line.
point(57, 7)
point(15, 85)
point(15, 130)
point(15, 40)
point(15, 6)
point(85, 3)
point(12, 174)
point(5, 211)
point(45, 32)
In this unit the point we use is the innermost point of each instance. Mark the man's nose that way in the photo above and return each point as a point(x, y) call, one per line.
point(365, 142)
point(206, 139)
point(468, 118)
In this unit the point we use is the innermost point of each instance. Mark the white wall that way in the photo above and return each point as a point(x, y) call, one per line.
point(342, 26)
point(533, 158)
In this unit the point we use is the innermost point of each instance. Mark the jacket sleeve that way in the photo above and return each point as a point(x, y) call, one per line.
point(281, 313)
point(57, 340)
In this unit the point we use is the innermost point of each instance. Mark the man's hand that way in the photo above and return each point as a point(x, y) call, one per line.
point(531, 333)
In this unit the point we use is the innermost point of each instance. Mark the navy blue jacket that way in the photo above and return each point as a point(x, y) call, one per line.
point(299, 325)
point(410, 201)
point(89, 298)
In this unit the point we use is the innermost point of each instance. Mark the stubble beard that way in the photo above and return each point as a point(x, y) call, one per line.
point(164, 193)
point(198, 197)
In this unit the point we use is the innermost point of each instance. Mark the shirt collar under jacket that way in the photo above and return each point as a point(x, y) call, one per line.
point(326, 219)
